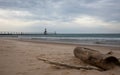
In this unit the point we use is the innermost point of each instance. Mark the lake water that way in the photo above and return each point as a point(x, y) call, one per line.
point(95, 39)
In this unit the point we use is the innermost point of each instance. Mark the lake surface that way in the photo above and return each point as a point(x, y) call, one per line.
point(95, 39)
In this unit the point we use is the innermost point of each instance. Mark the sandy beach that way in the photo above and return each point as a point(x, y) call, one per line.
point(20, 57)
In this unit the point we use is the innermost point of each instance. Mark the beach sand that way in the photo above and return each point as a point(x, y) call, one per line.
point(20, 57)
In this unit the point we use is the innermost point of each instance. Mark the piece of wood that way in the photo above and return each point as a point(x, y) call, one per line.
point(69, 66)
point(95, 58)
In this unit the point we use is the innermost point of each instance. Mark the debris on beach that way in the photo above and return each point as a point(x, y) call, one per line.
point(95, 58)
point(58, 64)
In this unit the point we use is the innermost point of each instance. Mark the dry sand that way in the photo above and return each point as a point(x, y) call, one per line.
point(19, 57)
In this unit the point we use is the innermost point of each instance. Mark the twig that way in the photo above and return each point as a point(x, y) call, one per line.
point(69, 66)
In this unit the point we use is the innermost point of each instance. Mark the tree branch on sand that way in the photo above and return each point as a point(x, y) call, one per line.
point(69, 66)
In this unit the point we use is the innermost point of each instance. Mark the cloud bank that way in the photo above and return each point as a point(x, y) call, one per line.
point(62, 16)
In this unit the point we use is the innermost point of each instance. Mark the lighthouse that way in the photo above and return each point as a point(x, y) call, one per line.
point(45, 32)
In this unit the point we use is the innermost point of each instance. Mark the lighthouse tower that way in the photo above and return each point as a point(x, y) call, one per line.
point(45, 32)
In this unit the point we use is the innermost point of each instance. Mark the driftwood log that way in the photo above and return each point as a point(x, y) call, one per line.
point(95, 58)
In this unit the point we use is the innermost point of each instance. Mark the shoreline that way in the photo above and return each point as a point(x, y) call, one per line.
point(60, 43)
point(65, 43)
point(82, 39)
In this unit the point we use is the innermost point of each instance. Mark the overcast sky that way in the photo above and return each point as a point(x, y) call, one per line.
point(62, 16)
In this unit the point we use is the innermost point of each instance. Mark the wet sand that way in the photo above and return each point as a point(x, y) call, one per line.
point(20, 57)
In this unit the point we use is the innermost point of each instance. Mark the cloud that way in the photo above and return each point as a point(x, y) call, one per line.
point(15, 24)
point(6, 13)
point(81, 24)
point(86, 21)
point(61, 9)
point(62, 15)
point(13, 20)
point(89, 21)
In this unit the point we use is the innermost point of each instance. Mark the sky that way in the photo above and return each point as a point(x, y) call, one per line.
point(61, 16)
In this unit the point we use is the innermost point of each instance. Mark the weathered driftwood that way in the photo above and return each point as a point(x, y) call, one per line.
point(69, 66)
point(95, 58)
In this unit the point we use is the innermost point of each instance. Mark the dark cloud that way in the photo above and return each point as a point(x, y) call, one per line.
point(63, 9)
